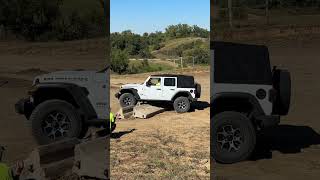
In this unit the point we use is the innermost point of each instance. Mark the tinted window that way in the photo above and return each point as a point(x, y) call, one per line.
point(241, 64)
point(169, 82)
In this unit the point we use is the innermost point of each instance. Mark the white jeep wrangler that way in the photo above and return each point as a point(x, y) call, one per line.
point(180, 90)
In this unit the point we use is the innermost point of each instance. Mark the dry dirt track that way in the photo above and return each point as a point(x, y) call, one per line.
point(291, 151)
point(166, 146)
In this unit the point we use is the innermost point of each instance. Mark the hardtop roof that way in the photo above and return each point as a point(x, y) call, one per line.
point(241, 63)
point(170, 75)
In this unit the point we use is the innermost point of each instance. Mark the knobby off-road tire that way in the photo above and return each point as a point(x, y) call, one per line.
point(181, 104)
point(55, 120)
point(127, 99)
point(233, 137)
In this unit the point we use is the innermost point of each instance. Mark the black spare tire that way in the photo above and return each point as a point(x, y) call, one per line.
point(282, 84)
point(198, 90)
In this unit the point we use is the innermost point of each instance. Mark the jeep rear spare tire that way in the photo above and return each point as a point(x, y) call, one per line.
point(282, 84)
point(55, 120)
point(127, 99)
point(233, 137)
point(181, 104)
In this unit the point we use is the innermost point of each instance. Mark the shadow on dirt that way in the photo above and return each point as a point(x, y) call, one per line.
point(285, 139)
point(118, 135)
point(199, 105)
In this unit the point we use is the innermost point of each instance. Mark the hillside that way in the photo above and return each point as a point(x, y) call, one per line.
point(169, 47)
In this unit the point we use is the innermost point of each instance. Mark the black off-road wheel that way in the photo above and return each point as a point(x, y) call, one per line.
point(55, 120)
point(127, 99)
point(233, 137)
point(181, 104)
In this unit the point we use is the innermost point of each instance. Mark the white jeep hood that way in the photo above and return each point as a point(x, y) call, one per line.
point(71, 77)
point(128, 86)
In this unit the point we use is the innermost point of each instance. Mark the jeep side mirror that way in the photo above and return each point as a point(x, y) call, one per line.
point(148, 83)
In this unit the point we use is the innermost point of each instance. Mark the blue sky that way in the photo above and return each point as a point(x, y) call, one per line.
point(155, 15)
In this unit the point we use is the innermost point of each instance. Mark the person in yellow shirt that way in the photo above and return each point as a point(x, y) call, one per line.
point(112, 122)
point(158, 83)
point(6, 173)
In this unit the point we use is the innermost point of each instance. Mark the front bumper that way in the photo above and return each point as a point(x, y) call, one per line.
point(117, 95)
point(23, 106)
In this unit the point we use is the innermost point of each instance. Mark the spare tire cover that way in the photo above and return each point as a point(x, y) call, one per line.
point(198, 90)
point(282, 83)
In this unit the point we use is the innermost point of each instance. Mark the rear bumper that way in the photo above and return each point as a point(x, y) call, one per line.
point(268, 121)
point(24, 106)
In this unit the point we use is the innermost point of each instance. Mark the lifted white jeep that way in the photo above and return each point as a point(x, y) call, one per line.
point(181, 90)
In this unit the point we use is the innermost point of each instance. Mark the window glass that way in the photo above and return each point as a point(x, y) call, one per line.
point(155, 81)
point(169, 82)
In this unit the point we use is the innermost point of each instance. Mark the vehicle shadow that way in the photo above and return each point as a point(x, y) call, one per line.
point(199, 105)
point(118, 135)
point(285, 139)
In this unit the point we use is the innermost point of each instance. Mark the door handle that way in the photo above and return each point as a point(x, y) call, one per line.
point(158, 89)
point(172, 89)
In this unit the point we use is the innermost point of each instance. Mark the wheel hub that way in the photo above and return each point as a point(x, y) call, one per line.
point(229, 138)
point(182, 105)
point(56, 125)
point(127, 101)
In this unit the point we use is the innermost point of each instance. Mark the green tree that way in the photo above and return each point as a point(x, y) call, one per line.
point(119, 61)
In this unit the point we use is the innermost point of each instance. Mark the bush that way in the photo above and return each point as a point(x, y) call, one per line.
point(36, 20)
point(119, 61)
point(200, 54)
point(29, 18)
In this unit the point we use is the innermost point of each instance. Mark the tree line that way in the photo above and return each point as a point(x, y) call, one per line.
point(128, 44)
point(272, 3)
point(43, 20)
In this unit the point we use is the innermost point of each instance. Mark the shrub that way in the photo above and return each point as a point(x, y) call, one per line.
point(119, 61)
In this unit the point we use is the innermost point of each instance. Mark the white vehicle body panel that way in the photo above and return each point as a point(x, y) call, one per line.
point(95, 83)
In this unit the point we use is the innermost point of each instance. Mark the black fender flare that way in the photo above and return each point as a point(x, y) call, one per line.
point(129, 90)
point(182, 92)
point(251, 99)
point(78, 94)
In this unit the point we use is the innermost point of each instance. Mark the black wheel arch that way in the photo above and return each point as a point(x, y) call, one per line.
point(235, 101)
point(130, 90)
point(182, 94)
point(74, 94)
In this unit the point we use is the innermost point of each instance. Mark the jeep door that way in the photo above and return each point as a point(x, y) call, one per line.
point(153, 89)
point(169, 88)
